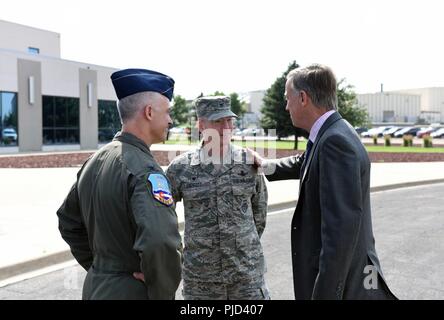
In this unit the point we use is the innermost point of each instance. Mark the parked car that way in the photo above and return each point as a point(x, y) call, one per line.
point(400, 133)
point(383, 132)
point(409, 130)
point(360, 130)
point(391, 131)
point(373, 132)
point(252, 132)
point(438, 133)
point(425, 131)
point(177, 130)
point(9, 135)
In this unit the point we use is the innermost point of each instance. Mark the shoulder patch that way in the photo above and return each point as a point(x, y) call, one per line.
point(160, 189)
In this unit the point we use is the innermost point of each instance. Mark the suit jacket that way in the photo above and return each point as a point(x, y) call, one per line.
point(332, 243)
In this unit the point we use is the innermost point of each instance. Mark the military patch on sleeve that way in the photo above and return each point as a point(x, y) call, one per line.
point(160, 189)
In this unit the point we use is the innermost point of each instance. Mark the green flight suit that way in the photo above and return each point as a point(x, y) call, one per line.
point(116, 223)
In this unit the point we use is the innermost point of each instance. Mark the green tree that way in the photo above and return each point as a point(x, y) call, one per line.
point(348, 105)
point(179, 111)
point(273, 110)
point(218, 93)
point(237, 106)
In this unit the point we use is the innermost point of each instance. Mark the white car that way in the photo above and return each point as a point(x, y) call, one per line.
point(252, 132)
point(9, 135)
point(438, 133)
point(374, 132)
point(177, 130)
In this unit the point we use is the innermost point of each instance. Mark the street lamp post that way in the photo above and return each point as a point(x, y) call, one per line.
point(191, 117)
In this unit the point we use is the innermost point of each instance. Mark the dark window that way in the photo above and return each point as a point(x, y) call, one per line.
point(33, 50)
point(8, 119)
point(60, 120)
point(109, 121)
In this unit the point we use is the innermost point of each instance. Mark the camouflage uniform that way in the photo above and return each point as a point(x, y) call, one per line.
point(225, 214)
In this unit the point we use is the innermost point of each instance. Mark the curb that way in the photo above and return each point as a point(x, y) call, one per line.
point(64, 256)
point(34, 264)
point(405, 185)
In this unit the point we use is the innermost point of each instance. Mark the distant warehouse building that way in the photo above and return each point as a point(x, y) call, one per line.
point(424, 105)
point(253, 102)
point(48, 101)
point(391, 107)
point(432, 103)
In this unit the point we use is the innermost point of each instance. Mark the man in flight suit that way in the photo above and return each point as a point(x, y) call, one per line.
point(119, 217)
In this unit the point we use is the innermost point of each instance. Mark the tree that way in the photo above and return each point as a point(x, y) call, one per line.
point(274, 114)
point(179, 111)
point(237, 106)
point(348, 105)
point(218, 93)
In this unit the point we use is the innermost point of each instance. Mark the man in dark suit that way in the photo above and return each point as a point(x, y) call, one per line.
point(333, 248)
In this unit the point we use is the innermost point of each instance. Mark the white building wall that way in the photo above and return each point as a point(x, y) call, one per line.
point(406, 107)
point(59, 77)
point(8, 72)
point(18, 37)
point(432, 99)
point(256, 103)
point(105, 89)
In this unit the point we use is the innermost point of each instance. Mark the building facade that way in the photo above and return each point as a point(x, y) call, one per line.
point(254, 103)
point(431, 105)
point(391, 107)
point(423, 105)
point(46, 101)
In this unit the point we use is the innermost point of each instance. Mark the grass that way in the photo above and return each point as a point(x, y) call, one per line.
point(399, 149)
point(302, 144)
point(271, 144)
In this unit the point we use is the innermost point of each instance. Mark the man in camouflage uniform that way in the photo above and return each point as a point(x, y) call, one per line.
point(225, 204)
point(119, 217)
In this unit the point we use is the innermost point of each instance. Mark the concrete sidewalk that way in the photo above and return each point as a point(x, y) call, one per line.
point(29, 236)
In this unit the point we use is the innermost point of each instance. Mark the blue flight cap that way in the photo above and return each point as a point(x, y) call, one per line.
point(130, 81)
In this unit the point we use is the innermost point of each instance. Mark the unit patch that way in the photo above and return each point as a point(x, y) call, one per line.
point(160, 189)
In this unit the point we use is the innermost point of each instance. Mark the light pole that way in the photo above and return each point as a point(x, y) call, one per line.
point(191, 116)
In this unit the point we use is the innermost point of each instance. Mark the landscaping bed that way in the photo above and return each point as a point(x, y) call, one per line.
point(75, 159)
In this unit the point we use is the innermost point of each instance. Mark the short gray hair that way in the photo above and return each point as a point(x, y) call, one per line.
point(129, 106)
point(319, 82)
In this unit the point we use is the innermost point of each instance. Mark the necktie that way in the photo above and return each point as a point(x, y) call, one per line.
point(307, 154)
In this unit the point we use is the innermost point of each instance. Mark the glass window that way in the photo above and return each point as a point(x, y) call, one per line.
point(8, 119)
point(48, 111)
point(33, 50)
point(60, 109)
point(48, 136)
point(109, 121)
point(60, 120)
point(72, 113)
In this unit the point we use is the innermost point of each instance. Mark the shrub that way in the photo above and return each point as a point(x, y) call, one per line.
point(387, 142)
point(427, 139)
point(375, 140)
point(407, 140)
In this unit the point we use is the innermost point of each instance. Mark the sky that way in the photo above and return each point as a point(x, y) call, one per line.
point(244, 45)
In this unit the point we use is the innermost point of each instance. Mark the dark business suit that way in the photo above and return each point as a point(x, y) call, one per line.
point(331, 232)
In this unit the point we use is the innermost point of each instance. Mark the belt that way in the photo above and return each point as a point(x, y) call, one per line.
point(108, 265)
